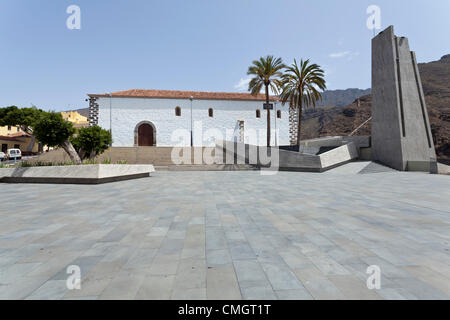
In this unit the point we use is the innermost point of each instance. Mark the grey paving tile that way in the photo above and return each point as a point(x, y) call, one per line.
point(21, 289)
point(420, 289)
point(259, 293)
point(171, 247)
point(90, 287)
point(250, 273)
point(189, 294)
point(222, 284)
point(15, 271)
point(235, 227)
point(164, 264)
point(124, 286)
point(323, 289)
point(241, 251)
point(215, 258)
point(215, 239)
point(82, 298)
point(157, 287)
point(191, 274)
point(141, 259)
point(299, 294)
point(353, 288)
point(84, 263)
point(328, 266)
point(281, 277)
point(193, 252)
point(50, 290)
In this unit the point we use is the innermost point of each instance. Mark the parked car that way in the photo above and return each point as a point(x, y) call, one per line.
point(14, 154)
point(2, 156)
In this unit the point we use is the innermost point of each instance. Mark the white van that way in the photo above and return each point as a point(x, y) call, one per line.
point(14, 154)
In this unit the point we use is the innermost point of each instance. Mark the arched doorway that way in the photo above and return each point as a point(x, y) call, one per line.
point(145, 134)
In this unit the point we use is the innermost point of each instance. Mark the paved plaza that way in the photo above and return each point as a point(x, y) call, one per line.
point(229, 235)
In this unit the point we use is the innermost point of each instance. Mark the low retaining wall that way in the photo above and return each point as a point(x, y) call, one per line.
point(83, 174)
point(158, 156)
point(359, 141)
point(284, 160)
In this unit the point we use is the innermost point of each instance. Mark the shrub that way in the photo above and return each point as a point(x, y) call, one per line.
point(91, 141)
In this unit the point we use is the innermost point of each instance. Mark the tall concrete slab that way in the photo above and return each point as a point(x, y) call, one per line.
point(401, 134)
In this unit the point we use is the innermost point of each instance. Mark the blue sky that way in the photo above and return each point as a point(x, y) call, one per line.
point(202, 45)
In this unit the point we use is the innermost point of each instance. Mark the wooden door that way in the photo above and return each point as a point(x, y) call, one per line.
point(145, 135)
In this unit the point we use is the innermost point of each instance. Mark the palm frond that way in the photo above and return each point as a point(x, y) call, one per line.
point(301, 84)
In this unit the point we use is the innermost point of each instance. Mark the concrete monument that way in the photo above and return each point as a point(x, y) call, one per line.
point(401, 134)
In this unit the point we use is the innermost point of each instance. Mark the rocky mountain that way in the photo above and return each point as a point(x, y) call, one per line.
point(341, 98)
point(326, 121)
point(84, 112)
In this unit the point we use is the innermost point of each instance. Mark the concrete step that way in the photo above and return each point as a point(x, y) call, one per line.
point(204, 167)
point(360, 167)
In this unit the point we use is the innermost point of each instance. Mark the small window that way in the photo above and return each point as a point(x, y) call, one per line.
point(258, 113)
point(18, 129)
point(210, 112)
point(178, 111)
point(279, 114)
point(9, 128)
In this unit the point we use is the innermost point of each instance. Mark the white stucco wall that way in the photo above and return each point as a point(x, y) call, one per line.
point(128, 112)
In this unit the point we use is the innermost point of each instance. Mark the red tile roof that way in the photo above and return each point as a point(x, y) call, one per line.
point(172, 94)
point(19, 135)
point(9, 138)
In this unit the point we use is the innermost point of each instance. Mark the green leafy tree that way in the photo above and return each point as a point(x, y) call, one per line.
point(47, 127)
point(22, 118)
point(266, 73)
point(91, 141)
point(52, 130)
point(301, 87)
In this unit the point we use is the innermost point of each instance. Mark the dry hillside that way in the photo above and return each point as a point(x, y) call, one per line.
point(342, 121)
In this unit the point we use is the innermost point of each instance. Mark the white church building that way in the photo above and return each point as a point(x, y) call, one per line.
point(184, 118)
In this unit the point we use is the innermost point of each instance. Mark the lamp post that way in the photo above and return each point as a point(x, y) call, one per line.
point(276, 117)
point(192, 141)
point(110, 115)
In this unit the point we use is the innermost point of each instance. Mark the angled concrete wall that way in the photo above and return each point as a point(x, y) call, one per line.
point(241, 153)
point(401, 134)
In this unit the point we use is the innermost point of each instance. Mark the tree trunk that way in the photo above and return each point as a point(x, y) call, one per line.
point(82, 154)
point(68, 147)
point(32, 140)
point(31, 144)
point(268, 115)
point(299, 122)
point(92, 155)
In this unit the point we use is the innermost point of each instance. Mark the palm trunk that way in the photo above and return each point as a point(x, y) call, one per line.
point(68, 147)
point(268, 115)
point(299, 122)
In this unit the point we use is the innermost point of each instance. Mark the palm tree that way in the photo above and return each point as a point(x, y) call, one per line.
point(267, 73)
point(300, 87)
